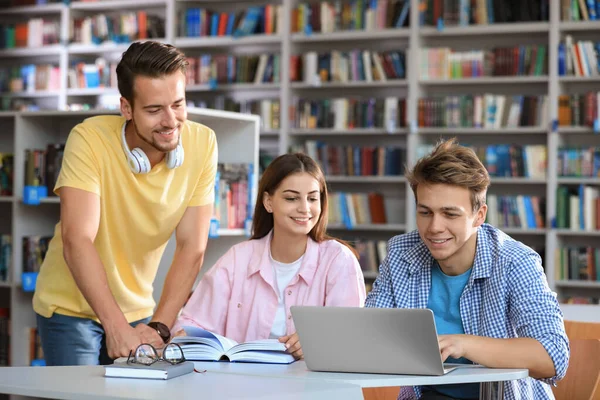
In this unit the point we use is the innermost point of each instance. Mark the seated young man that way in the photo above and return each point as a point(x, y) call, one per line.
point(488, 292)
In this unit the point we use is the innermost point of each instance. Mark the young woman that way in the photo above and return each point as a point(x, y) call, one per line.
point(288, 261)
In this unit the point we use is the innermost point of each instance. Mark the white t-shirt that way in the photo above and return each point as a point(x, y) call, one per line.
point(284, 273)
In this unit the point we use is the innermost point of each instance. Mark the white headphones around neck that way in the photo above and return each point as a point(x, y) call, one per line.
point(138, 160)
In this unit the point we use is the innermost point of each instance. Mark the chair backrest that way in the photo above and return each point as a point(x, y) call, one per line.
point(582, 330)
point(583, 376)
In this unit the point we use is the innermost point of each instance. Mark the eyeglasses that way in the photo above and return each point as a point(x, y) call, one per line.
point(146, 354)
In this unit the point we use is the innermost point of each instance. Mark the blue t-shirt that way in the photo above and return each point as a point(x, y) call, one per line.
point(444, 301)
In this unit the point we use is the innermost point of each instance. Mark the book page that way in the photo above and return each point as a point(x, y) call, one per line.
point(262, 351)
point(199, 335)
point(265, 344)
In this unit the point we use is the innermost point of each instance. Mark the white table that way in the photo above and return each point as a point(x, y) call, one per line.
point(298, 370)
point(89, 383)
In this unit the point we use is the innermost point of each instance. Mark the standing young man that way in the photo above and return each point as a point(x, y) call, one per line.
point(126, 184)
point(488, 292)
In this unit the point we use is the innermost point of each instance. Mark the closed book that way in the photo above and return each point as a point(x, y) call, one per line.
point(159, 370)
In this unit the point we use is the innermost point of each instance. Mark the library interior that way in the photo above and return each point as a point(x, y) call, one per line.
point(367, 89)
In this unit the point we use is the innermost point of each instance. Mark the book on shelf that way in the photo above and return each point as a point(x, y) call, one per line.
point(267, 109)
point(578, 263)
point(507, 160)
point(34, 252)
point(347, 66)
point(202, 22)
point(338, 15)
point(5, 336)
point(5, 256)
point(202, 345)
point(351, 209)
point(445, 63)
point(578, 161)
point(336, 160)
point(579, 109)
point(99, 74)
point(489, 111)
point(371, 253)
point(510, 160)
point(42, 167)
point(7, 168)
point(387, 113)
point(159, 370)
point(34, 33)
point(229, 69)
point(578, 209)
point(123, 27)
point(481, 12)
point(580, 10)
point(29, 78)
point(522, 212)
point(234, 195)
point(581, 58)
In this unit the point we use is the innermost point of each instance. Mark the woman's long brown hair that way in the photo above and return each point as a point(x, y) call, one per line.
point(279, 169)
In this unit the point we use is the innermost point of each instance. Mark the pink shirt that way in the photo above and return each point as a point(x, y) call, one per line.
point(237, 297)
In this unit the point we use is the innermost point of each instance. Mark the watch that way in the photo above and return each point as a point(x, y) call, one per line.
point(162, 329)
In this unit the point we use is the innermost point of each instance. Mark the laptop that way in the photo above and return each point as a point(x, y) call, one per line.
point(369, 340)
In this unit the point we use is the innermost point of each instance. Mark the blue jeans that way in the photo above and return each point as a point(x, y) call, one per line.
point(74, 341)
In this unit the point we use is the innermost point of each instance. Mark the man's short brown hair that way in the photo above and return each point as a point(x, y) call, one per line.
point(150, 59)
point(452, 164)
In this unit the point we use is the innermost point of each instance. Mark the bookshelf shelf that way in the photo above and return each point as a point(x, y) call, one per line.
point(365, 179)
point(498, 180)
point(518, 28)
point(26, 52)
point(115, 4)
point(30, 95)
point(92, 91)
point(265, 133)
point(487, 80)
point(347, 132)
point(578, 181)
point(522, 231)
point(579, 284)
point(106, 47)
point(43, 9)
point(226, 41)
point(348, 85)
point(233, 86)
point(369, 227)
point(7, 199)
point(351, 36)
point(572, 232)
point(575, 26)
point(575, 130)
point(525, 130)
point(6, 285)
point(579, 79)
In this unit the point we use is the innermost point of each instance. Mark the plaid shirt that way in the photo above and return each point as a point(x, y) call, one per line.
point(507, 296)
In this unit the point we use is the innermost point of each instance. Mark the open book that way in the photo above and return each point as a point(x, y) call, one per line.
point(202, 345)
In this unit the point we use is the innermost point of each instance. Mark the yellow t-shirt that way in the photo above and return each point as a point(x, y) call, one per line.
point(139, 213)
